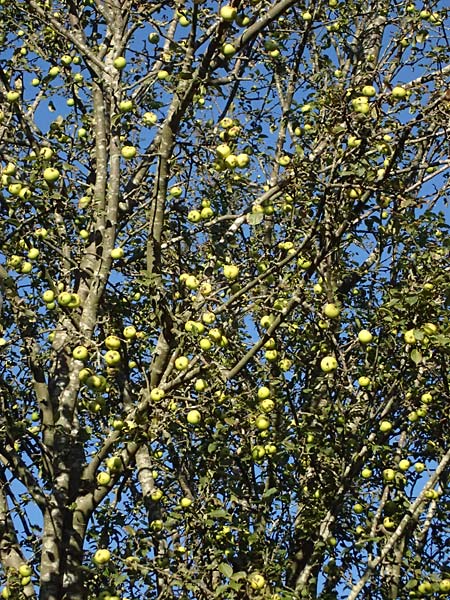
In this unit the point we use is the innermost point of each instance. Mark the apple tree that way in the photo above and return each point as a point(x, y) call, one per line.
point(224, 290)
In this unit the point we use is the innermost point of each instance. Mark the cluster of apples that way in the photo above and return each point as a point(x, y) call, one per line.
point(226, 158)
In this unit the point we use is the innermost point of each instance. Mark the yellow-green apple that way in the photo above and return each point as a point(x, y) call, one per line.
point(328, 364)
point(181, 363)
point(112, 342)
point(120, 62)
point(80, 353)
point(364, 336)
point(102, 556)
point(128, 152)
point(194, 417)
point(112, 358)
point(51, 174)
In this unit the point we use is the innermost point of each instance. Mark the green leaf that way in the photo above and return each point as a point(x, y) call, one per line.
point(416, 356)
point(226, 569)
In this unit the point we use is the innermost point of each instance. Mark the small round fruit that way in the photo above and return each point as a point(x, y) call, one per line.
point(228, 13)
point(48, 296)
point(331, 310)
point(103, 478)
point(181, 363)
point(369, 91)
point(157, 394)
point(205, 344)
point(120, 62)
point(404, 464)
point(128, 152)
point(263, 393)
point(194, 216)
point(112, 358)
point(185, 502)
point(366, 473)
point(257, 581)
point(112, 342)
point(399, 92)
point(328, 364)
point(156, 495)
point(129, 332)
point(365, 337)
point(228, 49)
point(64, 298)
point(101, 557)
point(364, 381)
point(389, 474)
point(194, 417)
point(385, 426)
point(25, 570)
point(117, 253)
point(80, 353)
point(231, 272)
point(163, 74)
point(51, 174)
point(419, 467)
point(262, 422)
point(200, 385)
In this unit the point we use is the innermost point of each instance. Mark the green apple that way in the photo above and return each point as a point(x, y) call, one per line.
point(404, 464)
point(128, 152)
point(223, 151)
point(369, 91)
point(194, 417)
point(48, 296)
point(114, 464)
point(12, 96)
point(266, 321)
point(26, 267)
point(101, 557)
point(51, 174)
point(419, 467)
point(175, 191)
point(388, 523)
point(331, 310)
point(53, 72)
point(444, 585)
point(409, 337)
point(205, 344)
point(426, 398)
point(365, 337)
point(328, 364)
point(14, 188)
point(200, 385)
point(399, 92)
point(231, 272)
point(66, 59)
point(80, 353)
point(112, 342)
point(242, 160)
point(126, 106)
point(112, 358)
point(156, 495)
point(163, 74)
point(256, 581)
point(284, 160)
point(181, 363)
point(364, 381)
point(129, 332)
point(267, 405)
point(25, 570)
point(263, 393)
point(103, 478)
point(366, 473)
point(262, 422)
point(307, 16)
point(194, 216)
point(185, 502)
point(46, 153)
point(153, 37)
point(191, 282)
point(385, 426)
point(206, 213)
point(258, 452)
point(149, 118)
point(120, 62)
point(228, 49)
point(228, 13)
point(361, 105)
point(157, 394)
point(430, 328)
point(358, 508)
point(389, 474)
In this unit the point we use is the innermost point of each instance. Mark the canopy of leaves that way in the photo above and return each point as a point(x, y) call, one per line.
point(225, 282)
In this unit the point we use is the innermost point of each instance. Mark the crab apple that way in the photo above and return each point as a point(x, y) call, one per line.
point(331, 310)
point(389, 474)
point(181, 363)
point(101, 557)
point(369, 91)
point(129, 332)
point(257, 581)
point(399, 92)
point(12, 96)
point(112, 358)
point(51, 174)
point(366, 473)
point(149, 118)
point(230, 272)
point(194, 216)
point(191, 282)
point(185, 502)
point(128, 152)
point(156, 495)
point(263, 393)
point(175, 191)
point(48, 296)
point(365, 337)
point(157, 394)
point(361, 105)
point(114, 464)
point(25, 570)
point(404, 464)
point(228, 13)
point(385, 426)
point(328, 364)
point(364, 381)
point(103, 478)
point(80, 353)
point(194, 417)
point(112, 342)
point(120, 62)
point(228, 49)
point(262, 422)
point(117, 253)
point(163, 74)
point(205, 344)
